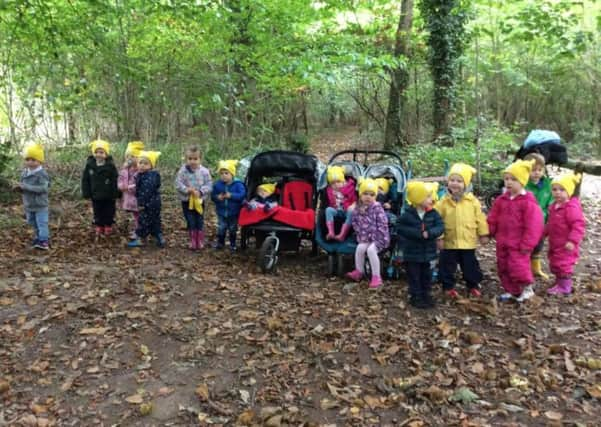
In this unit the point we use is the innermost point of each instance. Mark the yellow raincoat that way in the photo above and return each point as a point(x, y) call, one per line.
point(464, 221)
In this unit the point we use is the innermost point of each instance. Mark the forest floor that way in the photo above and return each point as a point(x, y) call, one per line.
point(95, 334)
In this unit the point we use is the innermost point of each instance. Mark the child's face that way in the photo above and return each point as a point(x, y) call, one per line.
point(537, 173)
point(144, 164)
point(426, 204)
point(368, 197)
point(337, 185)
point(560, 195)
point(512, 184)
point(262, 193)
point(100, 154)
point(193, 160)
point(455, 184)
point(31, 164)
point(226, 176)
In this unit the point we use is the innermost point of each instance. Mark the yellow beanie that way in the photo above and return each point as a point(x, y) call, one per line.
point(383, 184)
point(34, 151)
point(521, 169)
point(432, 187)
point(152, 156)
point(268, 188)
point(228, 165)
point(568, 182)
point(466, 172)
point(417, 192)
point(368, 185)
point(99, 143)
point(335, 174)
point(134, 148)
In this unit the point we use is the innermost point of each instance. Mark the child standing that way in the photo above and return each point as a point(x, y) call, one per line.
point(420, 226)
point(148, 196)
point(341, 198)
point(228, 195)
point(516, 223)
point(565, 230)
point(34, 185)
point(99, 184)
point(265, 198)
point(371, 228)
point(540, 186)
point(193, 184)
point(464, 226)
point(126, 183)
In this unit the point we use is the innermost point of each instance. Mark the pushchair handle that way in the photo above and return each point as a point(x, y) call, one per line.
point(366, 153)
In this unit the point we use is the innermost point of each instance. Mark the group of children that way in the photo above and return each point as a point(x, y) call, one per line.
point(532, 208)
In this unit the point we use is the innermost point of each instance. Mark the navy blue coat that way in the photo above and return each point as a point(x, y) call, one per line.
point(411, 228)
point(148, 186)
point(228, 207)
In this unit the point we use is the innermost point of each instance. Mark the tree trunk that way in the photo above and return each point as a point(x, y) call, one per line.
point(399, 79)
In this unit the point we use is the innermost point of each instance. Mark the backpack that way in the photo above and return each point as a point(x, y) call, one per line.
point(547, 144)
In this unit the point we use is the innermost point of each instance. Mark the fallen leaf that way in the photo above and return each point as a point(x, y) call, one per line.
point(202, 391)
point(134, 399)
point(145, 408)
point(246, 417)
point(464, 395)
point(93, 331)
point(554, 416)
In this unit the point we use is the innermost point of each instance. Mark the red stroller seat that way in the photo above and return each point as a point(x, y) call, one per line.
point(297, 205)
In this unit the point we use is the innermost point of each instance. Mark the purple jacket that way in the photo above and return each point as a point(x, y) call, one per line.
point(347, 190)
point(371, 225)
point(127, 185)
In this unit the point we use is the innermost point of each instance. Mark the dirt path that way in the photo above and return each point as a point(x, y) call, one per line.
point(94, 334)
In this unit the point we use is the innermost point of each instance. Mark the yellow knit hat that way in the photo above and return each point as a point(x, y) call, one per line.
point(521, 169)
point(432, 187)
point(368, 185)
point(466, 172)
point(34, 151)
point(228, 165)
point(152, 156)
point(335, 174)
point(383, 184)
point(99, 143)
point(268, 188)
point(134, 148)
point(568, 182)
point(417, 192)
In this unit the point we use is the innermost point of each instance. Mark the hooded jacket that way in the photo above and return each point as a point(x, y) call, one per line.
point(99, 182)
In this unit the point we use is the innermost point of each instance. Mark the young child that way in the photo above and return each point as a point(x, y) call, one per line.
point(516, 223)
point(565, 230)
point(420, 226)
point(341, 198)
point(371, 228)
point(148, 196)
point(126, 183)
point(228, 195)
point(193, 185)
point(464, 226)
point(34, 185)
point(265, 199)
point(99, 184)
point(540, 186)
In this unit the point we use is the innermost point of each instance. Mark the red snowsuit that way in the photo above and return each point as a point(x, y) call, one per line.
point(565, 224)
point(517, 226)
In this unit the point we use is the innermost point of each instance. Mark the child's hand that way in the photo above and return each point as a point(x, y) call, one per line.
point(387, 205)
point(131, 187)
point(440, 244)
point(221, 196)
point(569, 246)
point(484, 240)
point(190, 190)
point(425, 234)
point(196, 193)
point(16, 186)
point(351, 207)
point(227, 195)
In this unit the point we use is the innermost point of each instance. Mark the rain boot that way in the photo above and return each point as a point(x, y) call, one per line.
point(563, 286)
point(108, 230)
point(200, 239)
point(355, 275)
point(193, 245)
point(343, 232)
point(330, 226)
point(537, 270)
point(375, 282)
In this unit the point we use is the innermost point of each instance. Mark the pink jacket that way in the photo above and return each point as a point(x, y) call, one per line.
point(565, 224)
point(516, 223)
point(348, 191)
point(127, 185)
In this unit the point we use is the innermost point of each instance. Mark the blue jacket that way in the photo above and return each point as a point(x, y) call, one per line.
point(148, 186)
point(228, 207)
point(411, 228)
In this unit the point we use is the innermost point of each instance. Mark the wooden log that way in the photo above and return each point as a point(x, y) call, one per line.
point(592, 168)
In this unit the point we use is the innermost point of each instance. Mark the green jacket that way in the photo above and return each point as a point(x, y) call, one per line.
point(542, 193)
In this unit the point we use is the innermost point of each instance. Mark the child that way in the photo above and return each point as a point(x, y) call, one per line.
point(540, 186)
point(265, 198)
point(516, 222)
point(34, 185)
point(565, 230)
point(371, 228)
point(228, 195)
point(99, 184)
point(193, 184)
point(464, 226)
point(148, 196)
point(126, 183)
point(341, 199)
point(420, 226)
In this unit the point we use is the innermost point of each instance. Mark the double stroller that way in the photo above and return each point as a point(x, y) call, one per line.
point(283, 227)
point(357, 165)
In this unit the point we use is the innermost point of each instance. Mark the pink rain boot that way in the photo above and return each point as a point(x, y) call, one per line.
point(200, 239)
point(330, 226)
point(563, 286)
point(343, 232)
point(355, 275)
point(192, 245)
point(375, 282)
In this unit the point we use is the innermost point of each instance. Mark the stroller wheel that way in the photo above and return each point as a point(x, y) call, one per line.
point(267, 258)
point(340, 270)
